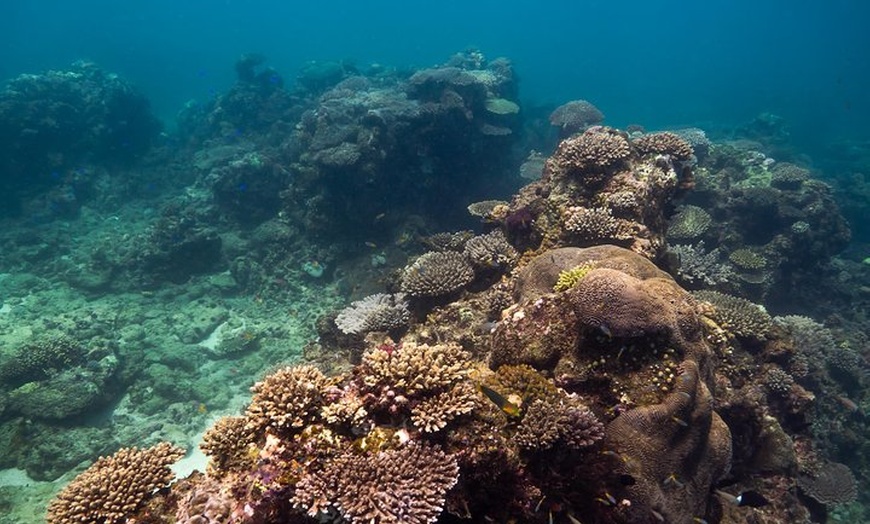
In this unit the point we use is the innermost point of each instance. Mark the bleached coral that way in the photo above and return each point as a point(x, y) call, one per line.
point(378, 312)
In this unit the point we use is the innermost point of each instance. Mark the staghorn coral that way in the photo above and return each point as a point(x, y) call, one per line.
point(378, 312)
point(575, 116)
point(834, 483)
point(114, 487)
point(436, 274)
point(689, 223)
point(490, 251)
point(286, 400)
point(406, 485)
point(738, 315)
point(664, 143)
point(675, 451)
point(228, 443)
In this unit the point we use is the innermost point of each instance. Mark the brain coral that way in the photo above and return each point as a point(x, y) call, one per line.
point(624, 296)
point(115, 487)
point(675, 451)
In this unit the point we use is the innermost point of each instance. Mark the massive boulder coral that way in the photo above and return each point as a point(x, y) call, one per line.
point(674, 451)
point(624, 298)
point(626, 329)
point(600, 187)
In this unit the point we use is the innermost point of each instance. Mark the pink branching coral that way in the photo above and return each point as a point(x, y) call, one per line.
point(405, 485)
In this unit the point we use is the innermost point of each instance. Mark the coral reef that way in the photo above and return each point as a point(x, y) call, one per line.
point(62, 123)
point(597, 187)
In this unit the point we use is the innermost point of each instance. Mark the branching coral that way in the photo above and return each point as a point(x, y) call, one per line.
point(114, 487)
point(690, 223)
point(490, 251)
point(404, 485)
point(697, 267)
point(286, 400)
point(228, 443)
point(595, 224)
point(435, 274)
point(378, 312)
point(546, 422)
point(570, 277)
point(664, 143)
point(738, 315)
point(594, 151)
point(411, 369)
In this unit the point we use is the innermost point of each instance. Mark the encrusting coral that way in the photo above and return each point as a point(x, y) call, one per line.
point(114, 487)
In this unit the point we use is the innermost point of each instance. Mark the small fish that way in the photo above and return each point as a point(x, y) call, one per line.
point(508, 408)
point(380, 216)
point(606, 330)
point(672, 479)
point(699, 520)
point(573, 519)
point(680, 421)
point(847, 403)
point(371, 245)
point(658, 516)
point(751, 498)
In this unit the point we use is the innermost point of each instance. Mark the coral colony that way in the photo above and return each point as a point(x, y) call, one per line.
point(594, 353)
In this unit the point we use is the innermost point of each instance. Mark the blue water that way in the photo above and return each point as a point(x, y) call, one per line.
point(715, 63)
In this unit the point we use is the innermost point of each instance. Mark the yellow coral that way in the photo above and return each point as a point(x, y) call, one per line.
point(569, 277)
